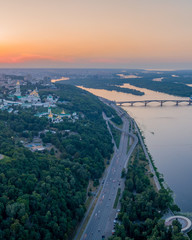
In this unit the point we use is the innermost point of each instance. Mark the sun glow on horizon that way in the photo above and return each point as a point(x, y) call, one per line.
point(110, 33)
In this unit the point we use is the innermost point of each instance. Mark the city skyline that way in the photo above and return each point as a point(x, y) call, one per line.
point(96, 34)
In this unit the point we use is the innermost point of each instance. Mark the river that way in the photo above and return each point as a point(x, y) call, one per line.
point(168, 135)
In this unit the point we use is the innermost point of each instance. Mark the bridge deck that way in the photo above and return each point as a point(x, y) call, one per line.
point(155, 100)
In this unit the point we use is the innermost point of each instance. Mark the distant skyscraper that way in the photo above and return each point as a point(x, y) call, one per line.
point(18, 90)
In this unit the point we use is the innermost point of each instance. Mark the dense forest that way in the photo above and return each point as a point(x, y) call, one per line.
point(177, 89)
point(42, 195)
point(170, 82)
point(142, 206)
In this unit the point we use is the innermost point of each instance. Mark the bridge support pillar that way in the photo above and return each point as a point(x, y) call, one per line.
point(177, 103)
point(161, 103)
point(189, 102)
point(145, 104)
point(132, 104)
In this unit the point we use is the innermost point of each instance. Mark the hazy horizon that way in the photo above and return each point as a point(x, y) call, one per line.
point(103, 68)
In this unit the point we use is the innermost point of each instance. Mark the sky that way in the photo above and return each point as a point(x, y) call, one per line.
point(96, 34)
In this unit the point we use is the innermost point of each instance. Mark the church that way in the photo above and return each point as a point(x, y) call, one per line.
point(33, 97)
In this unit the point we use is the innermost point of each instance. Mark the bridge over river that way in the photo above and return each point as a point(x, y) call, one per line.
point(145, 102)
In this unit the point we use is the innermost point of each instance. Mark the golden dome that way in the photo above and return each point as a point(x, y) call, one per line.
point(50, 115)
point(34, 93)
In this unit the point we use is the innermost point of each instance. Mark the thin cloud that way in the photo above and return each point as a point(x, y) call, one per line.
point(105, 60)
point(33, 58)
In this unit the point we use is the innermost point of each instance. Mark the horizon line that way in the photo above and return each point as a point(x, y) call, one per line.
point(104, 68)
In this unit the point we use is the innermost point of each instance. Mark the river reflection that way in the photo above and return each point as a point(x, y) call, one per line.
point(60, 79)
point(168, 135)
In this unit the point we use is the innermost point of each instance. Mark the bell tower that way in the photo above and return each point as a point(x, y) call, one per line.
point(18, 90)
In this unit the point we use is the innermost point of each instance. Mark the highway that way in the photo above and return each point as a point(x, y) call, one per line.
point(101, 220)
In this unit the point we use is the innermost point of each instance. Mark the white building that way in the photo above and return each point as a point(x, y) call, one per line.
point(18, 90)
point(33, 97)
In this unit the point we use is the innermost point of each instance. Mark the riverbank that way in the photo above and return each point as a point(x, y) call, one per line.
point(135, 214)
point(167, 135)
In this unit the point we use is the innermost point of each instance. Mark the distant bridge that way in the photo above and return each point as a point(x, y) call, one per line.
point(145, 102)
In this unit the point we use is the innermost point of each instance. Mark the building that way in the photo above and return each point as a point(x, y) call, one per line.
point(18, 90)
point(50, 116)
point(55, 118)
point(33, 97)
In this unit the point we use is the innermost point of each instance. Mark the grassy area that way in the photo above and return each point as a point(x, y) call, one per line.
point(117, 198)
point(116, 134)
point(128, 144)
point(5, 159)
point(142, 159)
point(118, 125)
point(159, 176)
point(88, 201)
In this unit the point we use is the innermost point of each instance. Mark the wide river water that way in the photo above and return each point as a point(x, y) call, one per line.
point(168, 135)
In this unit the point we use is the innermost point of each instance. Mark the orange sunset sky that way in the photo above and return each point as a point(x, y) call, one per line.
point(102, 33)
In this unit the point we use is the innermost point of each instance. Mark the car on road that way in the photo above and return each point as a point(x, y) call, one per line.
point(113, 231)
